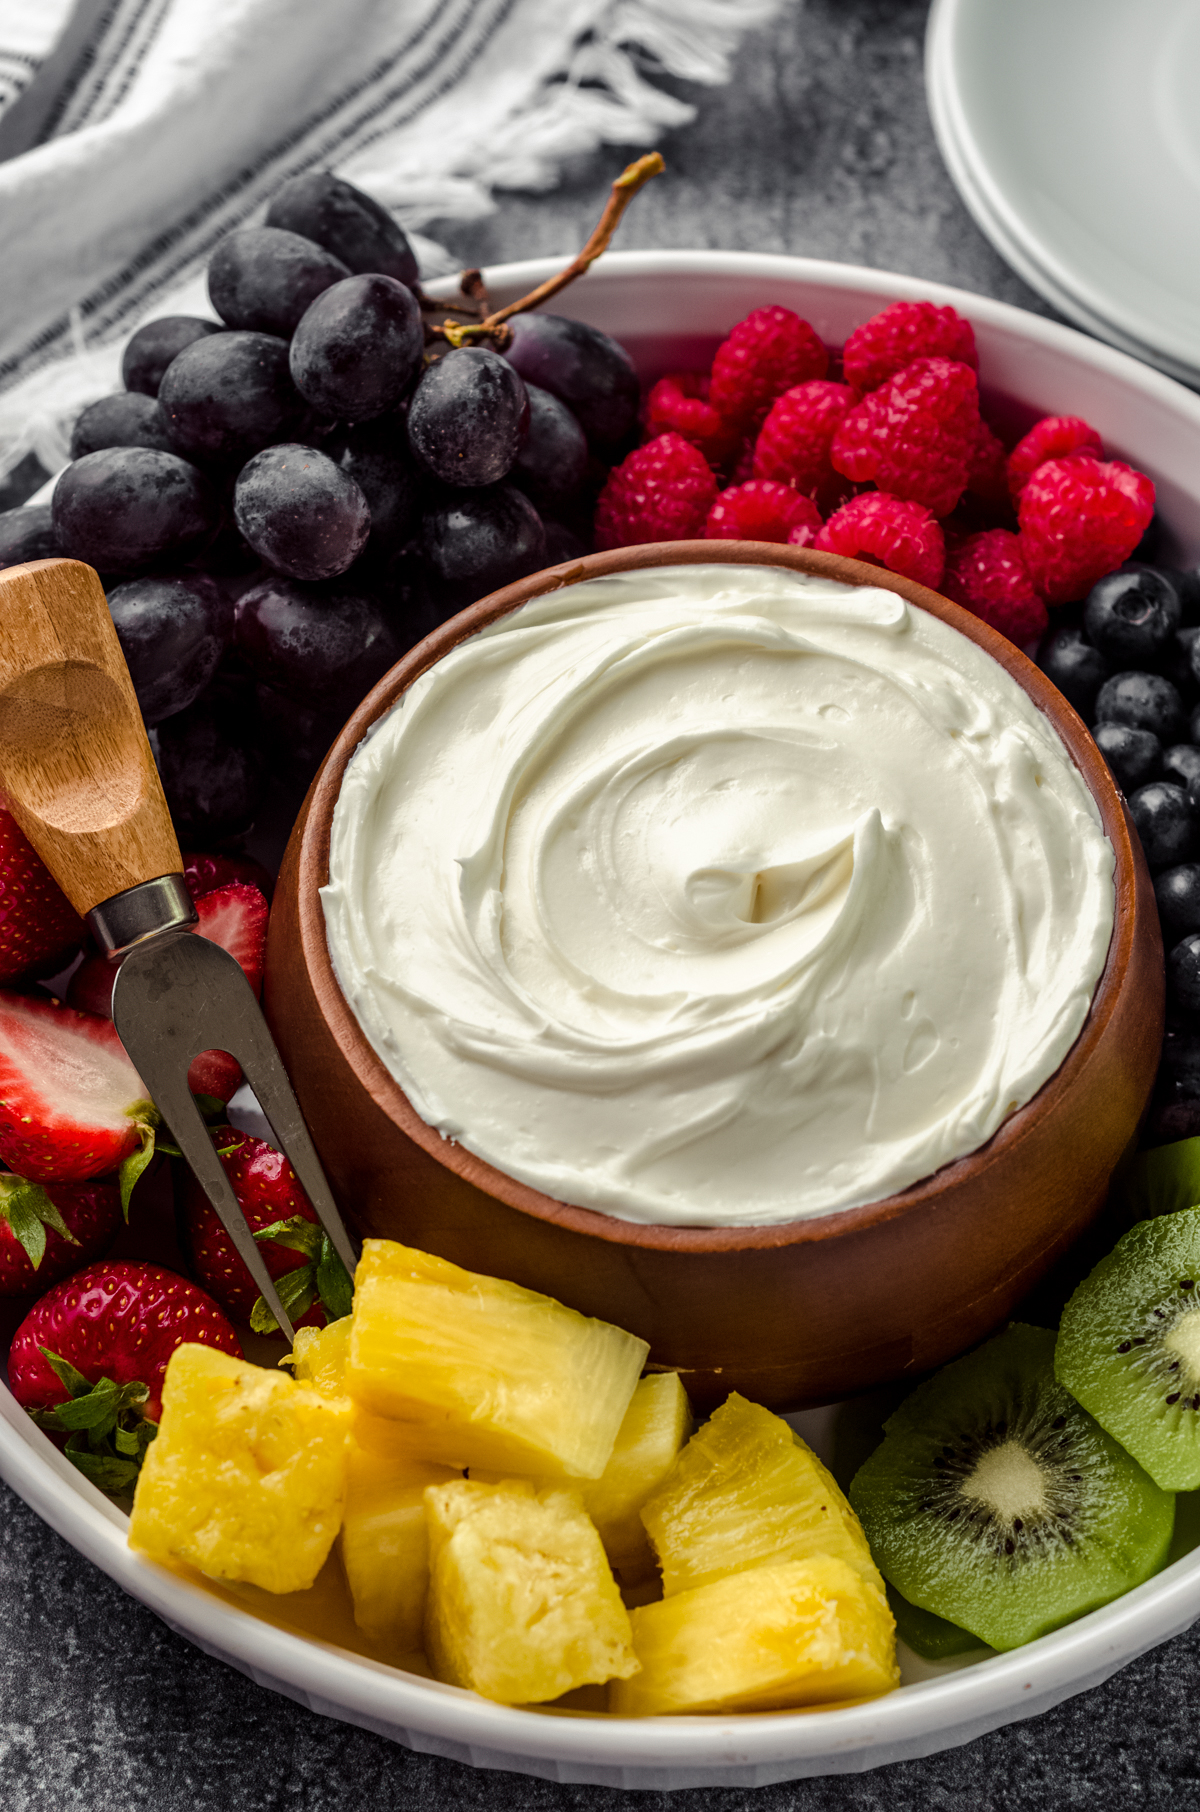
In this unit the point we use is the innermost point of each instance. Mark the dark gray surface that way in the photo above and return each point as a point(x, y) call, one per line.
point(820, 145)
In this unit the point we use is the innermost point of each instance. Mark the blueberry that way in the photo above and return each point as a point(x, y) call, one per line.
point(1176, 663)
point(172, 632)
point(476, 541)
point(263, 278)
point(1131, 615)
point(468, 417)
point(1177, 891)
point(1181, 763)
point(552, 465)
point(27, 533)
point(1179, 1071)
point(593, 375)
point(562, 543)
point(351, 225)
point(1166, 824)
point(1146, 701)
point(1134, 757)
point(1183, 974)
point(1071, 663)
point(152, 348)
point(301, 512)
point(127, 419)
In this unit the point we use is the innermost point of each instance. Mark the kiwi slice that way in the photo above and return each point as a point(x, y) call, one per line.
point(996, 1502)
point(933, 1638)
point(1129, 1346)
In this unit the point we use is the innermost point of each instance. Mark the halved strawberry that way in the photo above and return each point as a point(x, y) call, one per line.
point(88, 1360)
point(71, 1103)
point(204, 873)
point(311, 1279)
point(40, 930)
point(44, 1233)
point(234, 916)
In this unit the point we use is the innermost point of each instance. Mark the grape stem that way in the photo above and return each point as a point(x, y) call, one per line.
point(631, 179)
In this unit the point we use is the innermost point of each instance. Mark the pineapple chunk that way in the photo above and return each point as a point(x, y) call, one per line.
point(747, 1492)
point(809, 1632)
point(483, 1373)
point(522, 1604)
point(385, 1547)
point(657, 1423)
point(247, 1477)
point(319, 1357)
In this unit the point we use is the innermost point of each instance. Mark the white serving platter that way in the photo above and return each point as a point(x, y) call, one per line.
point(1071, 131)
point(670, 309)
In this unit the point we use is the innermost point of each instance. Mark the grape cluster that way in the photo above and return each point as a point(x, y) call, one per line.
point(1130, 665)
point(282, 501)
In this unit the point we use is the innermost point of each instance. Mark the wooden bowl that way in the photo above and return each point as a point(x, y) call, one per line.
point(791, 1315)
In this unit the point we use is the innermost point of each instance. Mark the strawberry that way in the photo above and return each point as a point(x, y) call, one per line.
point(71, 1103)
point(311, 1279)
point(44, 1233)
point(40, 930)
point(88, 1360)
point(204, 873)
point(233, 915)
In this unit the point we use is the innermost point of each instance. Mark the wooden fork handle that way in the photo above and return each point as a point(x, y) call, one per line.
point(75, 762)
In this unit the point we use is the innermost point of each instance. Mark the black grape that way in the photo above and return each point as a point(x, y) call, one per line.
point(152, 348)
point(263, 278)
point(128, 419)
point(562, 543)
point(212, 771)
point(173, 632)
point(27, 533)
point(476, 541)
point(125, 507)
point(295, 737)
point(468, 417)
point(375, 455)
point(322, 646)
point(584, 368)
point(351, 225)
point(552, 464)
point(300, 512)
point(358, 347)
point(226, 397)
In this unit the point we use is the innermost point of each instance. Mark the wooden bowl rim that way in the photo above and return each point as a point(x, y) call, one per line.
point(312, 872)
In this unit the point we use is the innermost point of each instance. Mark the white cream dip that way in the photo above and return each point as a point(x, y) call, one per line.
point(718, 895)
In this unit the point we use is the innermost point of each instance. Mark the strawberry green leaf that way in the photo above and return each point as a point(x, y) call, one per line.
point(335, 1289)
point(71, 1380)
point(29, 1211)
point(296, 1233)
point(135, 1163)
point(110, 1474)
point(211, 1106)
point(297, 1292)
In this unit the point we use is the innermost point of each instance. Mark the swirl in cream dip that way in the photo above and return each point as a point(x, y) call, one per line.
point(718, 895)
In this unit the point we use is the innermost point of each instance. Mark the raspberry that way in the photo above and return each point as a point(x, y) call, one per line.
point(766, 354)
point(793, 443)
point(661, 492)
point(1080, 518)
point(896, 532)
point(679, 402)
point(763, 511)
point(914, 435)
point(987, 475)
point(987, 574)
point(1052, 438)
point(901, 333)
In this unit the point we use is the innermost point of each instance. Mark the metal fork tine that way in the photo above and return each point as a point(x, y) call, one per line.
point(177, 996)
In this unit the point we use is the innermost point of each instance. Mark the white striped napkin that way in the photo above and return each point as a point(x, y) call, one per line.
point(186, 115)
